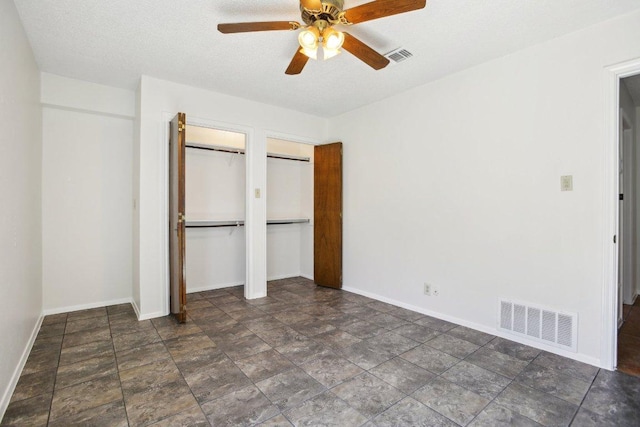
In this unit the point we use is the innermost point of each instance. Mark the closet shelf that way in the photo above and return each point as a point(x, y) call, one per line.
point(240, 223)
point(227, 149)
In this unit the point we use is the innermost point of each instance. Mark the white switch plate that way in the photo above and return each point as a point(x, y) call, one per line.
point(566, 183)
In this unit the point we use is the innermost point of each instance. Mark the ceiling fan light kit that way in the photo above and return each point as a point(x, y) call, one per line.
point(320, 16)
point(332, 39)
point(310, 38)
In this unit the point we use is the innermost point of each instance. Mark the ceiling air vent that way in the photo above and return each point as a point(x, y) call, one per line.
point(398, 55)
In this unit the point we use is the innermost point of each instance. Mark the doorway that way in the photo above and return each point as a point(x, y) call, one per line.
point(628, 343)
point(620, 184)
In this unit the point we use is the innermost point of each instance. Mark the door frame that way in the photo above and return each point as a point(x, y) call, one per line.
point(609, 332)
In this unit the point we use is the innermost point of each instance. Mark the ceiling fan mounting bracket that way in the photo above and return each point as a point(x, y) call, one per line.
point(331, 12)
point(321, 25)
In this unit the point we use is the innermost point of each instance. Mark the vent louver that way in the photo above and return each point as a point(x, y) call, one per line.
point(398, 55)
point(559, 329)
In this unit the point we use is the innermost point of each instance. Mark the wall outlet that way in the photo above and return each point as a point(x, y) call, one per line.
point(566, 183)
point(435, 291)
point(427, 289)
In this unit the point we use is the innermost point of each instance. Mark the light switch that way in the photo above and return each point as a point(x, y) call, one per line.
point(257, 192)
point(566, 183)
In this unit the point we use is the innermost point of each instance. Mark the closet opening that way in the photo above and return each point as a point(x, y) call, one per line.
point(207, 245)
point(290, 205)
point(214, 208)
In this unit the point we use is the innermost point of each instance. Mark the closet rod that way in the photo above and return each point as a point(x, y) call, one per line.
point(288, 157)
point(213, 224)
point(209, 147)
point(288, 221)
point(234, 150)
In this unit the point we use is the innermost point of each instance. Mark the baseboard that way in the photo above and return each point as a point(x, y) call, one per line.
point(86, 306)
point(148, 316)
point(200, 288)
point(283, 276)
point(479, 327)
point(135, 308)
point(8, 392)
point(139, 315)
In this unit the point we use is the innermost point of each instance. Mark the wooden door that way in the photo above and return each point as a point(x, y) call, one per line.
point(178, 286)
point(327, 233)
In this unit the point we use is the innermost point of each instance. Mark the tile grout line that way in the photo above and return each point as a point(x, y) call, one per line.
point(55, 378)
point(115, 356)
point(181, 376)
point(584, 397)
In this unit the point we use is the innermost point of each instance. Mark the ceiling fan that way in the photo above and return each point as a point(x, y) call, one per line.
point(320, 16)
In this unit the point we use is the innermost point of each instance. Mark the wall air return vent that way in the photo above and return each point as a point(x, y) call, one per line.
point(559, 329)
point(398, 55)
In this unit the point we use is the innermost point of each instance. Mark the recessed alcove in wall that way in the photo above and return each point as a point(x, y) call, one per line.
point(214, 208)
point(215, 187)
point(290, 202)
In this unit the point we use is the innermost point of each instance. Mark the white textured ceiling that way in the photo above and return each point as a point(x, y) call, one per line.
point(114, 42)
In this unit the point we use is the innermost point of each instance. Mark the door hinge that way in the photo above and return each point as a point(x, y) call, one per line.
point(614, 239)
point(184, 308)
point(181, 218)
point(180, 126)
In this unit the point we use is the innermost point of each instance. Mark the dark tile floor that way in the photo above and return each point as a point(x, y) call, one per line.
point(302, 356)
point(629, 340)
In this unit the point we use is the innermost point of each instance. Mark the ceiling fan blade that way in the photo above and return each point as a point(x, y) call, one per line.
point(245, 27)
point(381, 8)
point(364, 52)
point(311, 4)
point(297, 63)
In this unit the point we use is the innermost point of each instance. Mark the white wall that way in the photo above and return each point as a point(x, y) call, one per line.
point(458, 183)
point(136, 202)
point(307, 211)
point(86, 194)
point(20, 239)
point(160, 100)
